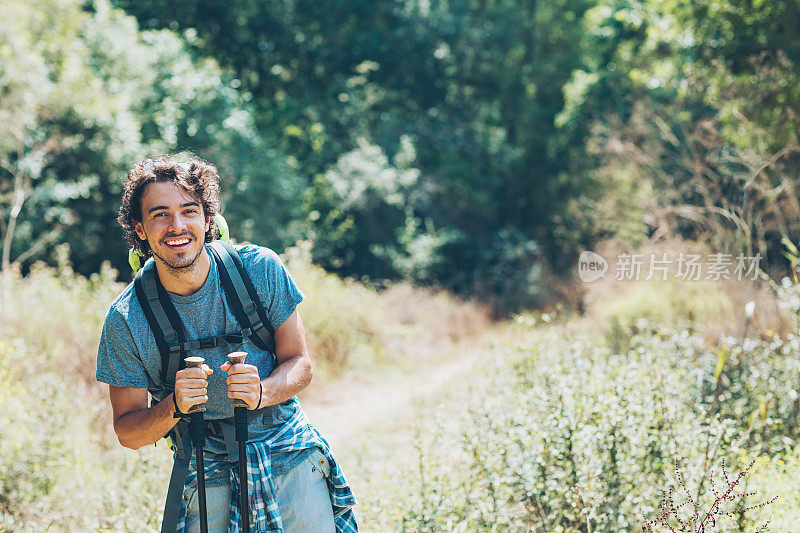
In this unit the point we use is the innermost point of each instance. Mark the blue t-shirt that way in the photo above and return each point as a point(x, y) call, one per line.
point(128, 355)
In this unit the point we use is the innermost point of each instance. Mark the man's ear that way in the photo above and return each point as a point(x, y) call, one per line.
point(208, 223)
point(139, 229)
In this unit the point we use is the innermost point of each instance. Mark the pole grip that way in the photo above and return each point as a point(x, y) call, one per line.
point(239, 405)
point(237, 358)
point(240, 423)
point(195, 362)
point(240, 426)
point(197, 429)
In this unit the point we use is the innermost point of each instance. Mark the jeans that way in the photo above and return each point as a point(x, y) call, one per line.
point(302, 494)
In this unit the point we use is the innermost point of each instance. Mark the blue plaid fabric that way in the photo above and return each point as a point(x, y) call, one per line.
point(295, 434)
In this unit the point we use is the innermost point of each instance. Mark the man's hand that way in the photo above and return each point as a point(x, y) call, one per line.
point(191, 387)
point(243, 383)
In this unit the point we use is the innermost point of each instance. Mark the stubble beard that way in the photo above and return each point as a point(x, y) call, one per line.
point(180, 269)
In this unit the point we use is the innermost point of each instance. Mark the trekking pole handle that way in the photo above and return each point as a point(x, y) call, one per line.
point(195, 362)
point(239, 405)
point(236, 358)
point(197, 430)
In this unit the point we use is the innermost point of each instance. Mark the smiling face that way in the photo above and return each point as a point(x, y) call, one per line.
point(173, 224)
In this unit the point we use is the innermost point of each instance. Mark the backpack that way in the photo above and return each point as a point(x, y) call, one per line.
point(168, 329)
point(170, 337)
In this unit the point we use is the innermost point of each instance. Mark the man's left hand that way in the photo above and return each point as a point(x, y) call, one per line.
point(243, 383)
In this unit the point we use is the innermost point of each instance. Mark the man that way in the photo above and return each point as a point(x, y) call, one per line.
point(168, 211)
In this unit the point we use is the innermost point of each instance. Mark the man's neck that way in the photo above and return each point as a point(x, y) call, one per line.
point(184, 281)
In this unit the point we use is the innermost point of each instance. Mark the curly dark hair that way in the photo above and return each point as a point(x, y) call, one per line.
point(198, 177)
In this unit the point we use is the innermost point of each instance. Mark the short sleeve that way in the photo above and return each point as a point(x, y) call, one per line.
point(118, 362)
point(282, 294)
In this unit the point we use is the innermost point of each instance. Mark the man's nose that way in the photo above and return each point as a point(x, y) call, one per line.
point(177, 223)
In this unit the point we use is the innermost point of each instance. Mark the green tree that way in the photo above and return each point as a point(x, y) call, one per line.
point(693, 108)
point(66, 130)
point(86, 94)
point(475, 86)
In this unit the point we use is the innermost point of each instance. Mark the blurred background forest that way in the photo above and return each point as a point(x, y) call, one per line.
point(476, 146)
point(430, 172)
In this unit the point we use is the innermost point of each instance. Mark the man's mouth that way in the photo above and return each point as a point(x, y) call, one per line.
point(177, 242)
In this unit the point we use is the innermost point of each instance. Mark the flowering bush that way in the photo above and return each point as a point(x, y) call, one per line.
point(779, 476)
point(567, 435)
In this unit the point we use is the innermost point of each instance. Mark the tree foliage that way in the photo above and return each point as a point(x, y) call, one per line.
point(473, 145)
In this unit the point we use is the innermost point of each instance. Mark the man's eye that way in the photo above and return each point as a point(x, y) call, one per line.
point(159, 215)
point(190, 211)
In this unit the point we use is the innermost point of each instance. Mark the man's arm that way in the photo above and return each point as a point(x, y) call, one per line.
point(135, 424)
point(291, 375)
point(138, 425)
point(294, 371)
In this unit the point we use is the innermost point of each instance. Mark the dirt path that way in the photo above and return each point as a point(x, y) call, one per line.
point(342, 409)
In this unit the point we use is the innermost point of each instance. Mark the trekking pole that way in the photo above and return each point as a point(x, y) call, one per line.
point(240, 422)
point(197, 430)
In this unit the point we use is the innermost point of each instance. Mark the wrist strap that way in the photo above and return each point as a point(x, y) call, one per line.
point(260, 394)
point(177, 413)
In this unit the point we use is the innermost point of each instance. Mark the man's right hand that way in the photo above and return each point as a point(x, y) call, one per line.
point(191, 387)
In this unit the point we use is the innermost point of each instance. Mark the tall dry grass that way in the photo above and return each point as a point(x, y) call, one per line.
point(61, 467)
point(713, 308)
point(353, 327)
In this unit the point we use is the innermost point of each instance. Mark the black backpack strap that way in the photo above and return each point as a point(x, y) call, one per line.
point(164, 321)
point(180, 468)
point(242, 296)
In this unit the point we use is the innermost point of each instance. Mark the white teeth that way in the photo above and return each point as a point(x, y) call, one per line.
point(178, 242)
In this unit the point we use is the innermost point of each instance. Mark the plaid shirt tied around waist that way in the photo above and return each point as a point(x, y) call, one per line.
point(294, 435)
